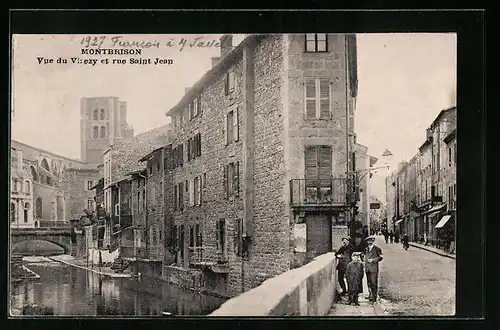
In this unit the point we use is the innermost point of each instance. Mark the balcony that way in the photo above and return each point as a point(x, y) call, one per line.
point(208, 258)
point(317, 195)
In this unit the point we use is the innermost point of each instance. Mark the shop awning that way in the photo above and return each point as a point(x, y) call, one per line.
point(443, 221)
point(434, 209)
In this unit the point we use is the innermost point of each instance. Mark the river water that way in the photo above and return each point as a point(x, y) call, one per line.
point(72, 291)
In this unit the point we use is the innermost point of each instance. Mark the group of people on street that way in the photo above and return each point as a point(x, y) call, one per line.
point(389, 236)
point(355, 259)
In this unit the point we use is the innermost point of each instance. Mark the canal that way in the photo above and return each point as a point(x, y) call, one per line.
point(72, 291)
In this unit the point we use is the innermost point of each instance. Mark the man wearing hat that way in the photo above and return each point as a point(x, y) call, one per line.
point(344, 256)
point(373, 255)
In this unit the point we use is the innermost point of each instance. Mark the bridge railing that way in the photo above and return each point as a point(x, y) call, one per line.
point(53, 224)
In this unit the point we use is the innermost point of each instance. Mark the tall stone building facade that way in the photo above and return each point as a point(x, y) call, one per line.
point(103, 122)
point(260, 143)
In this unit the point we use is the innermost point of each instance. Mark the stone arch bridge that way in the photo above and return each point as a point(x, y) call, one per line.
point(41, 241)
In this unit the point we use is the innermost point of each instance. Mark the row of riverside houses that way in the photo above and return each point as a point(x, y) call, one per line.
point(421, 193)
point(258, 144)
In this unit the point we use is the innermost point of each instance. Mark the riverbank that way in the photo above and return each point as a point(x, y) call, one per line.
point(81, 263)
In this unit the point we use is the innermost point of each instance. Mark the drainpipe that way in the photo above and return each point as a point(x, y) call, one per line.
point(348, 168)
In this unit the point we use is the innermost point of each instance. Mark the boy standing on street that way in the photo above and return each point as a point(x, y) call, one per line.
point(373, 255)
point(355, 274)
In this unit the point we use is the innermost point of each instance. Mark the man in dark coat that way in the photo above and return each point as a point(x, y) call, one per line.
point(359, 244)
point(355, 278)
point(373, 255)
point(344, 256)
point(386, 236)
point(391, 236)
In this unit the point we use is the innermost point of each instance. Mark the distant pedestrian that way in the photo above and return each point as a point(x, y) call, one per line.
point(406, 242)
point(344, 256)
point(365, 232)
point(373, 255)
point(396, 237)
point(355, 275)
point(391, 236)
point(386, 236)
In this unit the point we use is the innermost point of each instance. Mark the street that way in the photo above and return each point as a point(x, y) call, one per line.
point(416, 282)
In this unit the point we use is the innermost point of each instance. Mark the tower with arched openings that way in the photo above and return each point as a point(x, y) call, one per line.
point(103, 122)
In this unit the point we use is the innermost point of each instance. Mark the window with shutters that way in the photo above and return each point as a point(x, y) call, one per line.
point(221, 237)
point(173, 239)
point(318, 174)
point(230, 83)
point(317, 99)
point(231, 179)
point(204, 180)
point(316, 42)
point(231, 125)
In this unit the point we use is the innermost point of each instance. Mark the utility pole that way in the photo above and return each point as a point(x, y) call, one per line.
point(348, 167)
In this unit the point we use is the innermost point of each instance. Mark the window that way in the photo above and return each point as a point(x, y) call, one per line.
point(317, 99)
point(178, 155)
point(95, 132)
point(199, 235)
point(197, 190)
point(194, 147)
point(316, 42)
point(153, 194)
point(181, 196)
point(103, 132)
point(90, 184)
point(231, 179)
point(90, 204)
point(230, 83)
point(13, 212)
point(103, 115)
point(204, 181)
point(161, 188)
point(449, 156)
point(191, 236)
point(158, 167)
point(191, 193)
point(27, 187)
point(25, 215)
point(95, 115)
point(220, 236)
point(231, 126)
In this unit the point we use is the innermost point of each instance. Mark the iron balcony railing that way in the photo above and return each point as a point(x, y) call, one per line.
point(305, 192)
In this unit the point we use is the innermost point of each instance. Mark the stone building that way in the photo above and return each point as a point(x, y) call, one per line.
point(58, 192)
point(427, 186)
point(259, 144)
point(103, 122)
point(390, 193)
point(21, 192)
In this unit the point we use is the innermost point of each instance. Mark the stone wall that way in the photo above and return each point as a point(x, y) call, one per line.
point(305, 291)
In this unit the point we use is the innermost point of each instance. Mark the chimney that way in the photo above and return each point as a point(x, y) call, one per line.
point(226, 44)
point(215, 60)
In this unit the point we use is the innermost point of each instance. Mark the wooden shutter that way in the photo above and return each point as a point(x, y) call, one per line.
point(236, 178)
point(200, 188)
point(237, 237)
point(181, 196)
point(199, 105)
point(188, 144)
point(191, 188)
point(199, 144)
point(325, 163)
point(225, 130)
point(236, 131)
point(324, 99)
point(311, 159)
point(310, 99)
point(226, 181)
point(181, 154)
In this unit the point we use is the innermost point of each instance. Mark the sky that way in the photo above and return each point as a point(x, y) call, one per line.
point(405, 80)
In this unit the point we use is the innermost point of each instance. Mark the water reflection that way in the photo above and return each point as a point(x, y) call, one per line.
point(73, 291)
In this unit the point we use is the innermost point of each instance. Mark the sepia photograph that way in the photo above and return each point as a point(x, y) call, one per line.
point(164, 175)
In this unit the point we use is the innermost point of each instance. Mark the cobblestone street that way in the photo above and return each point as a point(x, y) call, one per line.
point(416, 282)
point(411, 283)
